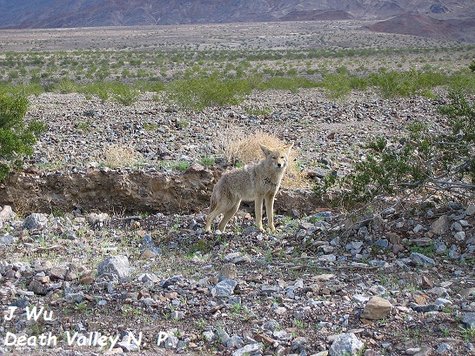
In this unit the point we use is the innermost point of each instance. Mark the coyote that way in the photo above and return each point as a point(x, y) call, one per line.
point(256, 182)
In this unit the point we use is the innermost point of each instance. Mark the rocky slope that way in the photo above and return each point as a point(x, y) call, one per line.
point(54, 13)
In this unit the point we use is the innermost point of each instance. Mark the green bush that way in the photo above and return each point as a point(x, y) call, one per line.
point(201, 92)
point(16, 137)
point(292, 83)
point(421, 158)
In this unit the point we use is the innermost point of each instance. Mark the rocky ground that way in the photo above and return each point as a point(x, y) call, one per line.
point(329, 134)
point(396, 280)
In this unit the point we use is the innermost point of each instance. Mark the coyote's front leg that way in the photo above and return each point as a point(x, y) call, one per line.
point(270, 211)
point(258, 210)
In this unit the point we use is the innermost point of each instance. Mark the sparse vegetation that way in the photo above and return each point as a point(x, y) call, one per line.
point(16, 137)
point(423, 158)
point(116, 156)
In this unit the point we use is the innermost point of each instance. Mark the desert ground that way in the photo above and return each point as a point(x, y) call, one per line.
point(118, 265)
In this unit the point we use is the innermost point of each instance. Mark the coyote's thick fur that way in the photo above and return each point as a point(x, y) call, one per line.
point(258, 182)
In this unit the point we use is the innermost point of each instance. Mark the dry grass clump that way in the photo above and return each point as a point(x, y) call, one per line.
point(117, 156)
point(241, 148)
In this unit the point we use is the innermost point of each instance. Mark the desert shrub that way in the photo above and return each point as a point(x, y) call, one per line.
point(341, 83)
point(201, 92)
point(65, 86)
point(16, 137)
point(292, 83)
point(422, 158)
point(239, 148)
point(117, 156)
point(98, 89)
point(123, 93)
point(395, 83)
point(471, 66)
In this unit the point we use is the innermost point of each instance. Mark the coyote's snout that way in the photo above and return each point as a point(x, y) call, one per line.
point(258, 182)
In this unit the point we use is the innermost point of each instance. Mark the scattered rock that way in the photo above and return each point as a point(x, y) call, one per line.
point(225, 288)
point(468, 319)
point(420, 259)
point(376, 308)
point(6, 214)
point(441, 225)
point(346, 344)
point(237, 258)
point(35, 221)
point(251, 349)
point(115, 265)
point(7, 240)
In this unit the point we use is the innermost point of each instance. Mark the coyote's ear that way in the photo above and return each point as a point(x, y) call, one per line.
point(266, 151)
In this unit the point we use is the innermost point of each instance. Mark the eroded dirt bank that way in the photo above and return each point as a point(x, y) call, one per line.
point(129, 192)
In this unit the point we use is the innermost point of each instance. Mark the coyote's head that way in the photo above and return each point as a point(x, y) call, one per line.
point(278, 158)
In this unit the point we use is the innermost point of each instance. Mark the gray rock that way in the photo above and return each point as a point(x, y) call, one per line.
point(115, 265)
point(74, 297)
point(298, 344)
point(171, 281)
point(346, 344)
point(382, 243)
point(363, 232)
point(378, 263)
point(234, 341)
point(225, 288)
point(418, 228)
point(209, 336)
point(454, 252)
point(281, 335)
point(327, 258)
point(270, 325)
point(249, 350)
point(440, 247)
point(171, 342)
point(128, 343)
point(148, 278)
point(464, 223)
point(441, 225)
point(7, 239)
point(178, 315)
point(354, 246)
point(470, 210)
point(269, 290)
point(443, 348)
point(425, 308)
point(237, 258)
point(460, 236)
point(420, 259)
point(35, 221)
point(469, 320)
point(222, 335)
point(149, 244)
point(456, 226)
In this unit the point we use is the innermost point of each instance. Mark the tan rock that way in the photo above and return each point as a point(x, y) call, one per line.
point(376, 308)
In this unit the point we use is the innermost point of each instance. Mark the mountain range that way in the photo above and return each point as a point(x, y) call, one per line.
point(447, 19)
